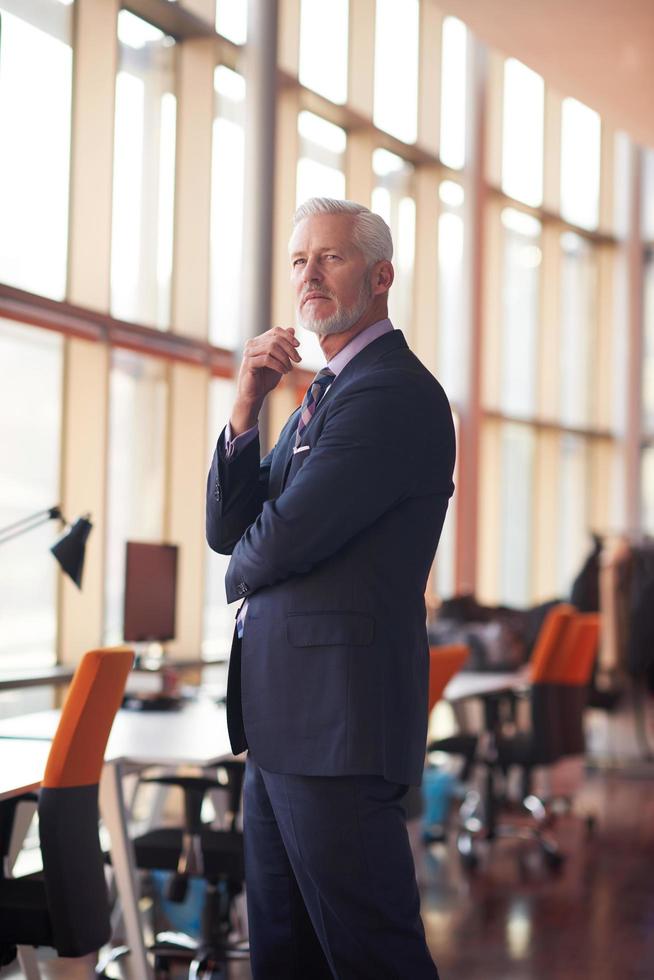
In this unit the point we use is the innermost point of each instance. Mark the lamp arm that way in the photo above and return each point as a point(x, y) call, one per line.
point(28, 523)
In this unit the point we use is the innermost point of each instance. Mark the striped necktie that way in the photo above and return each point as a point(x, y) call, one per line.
point(315, 391)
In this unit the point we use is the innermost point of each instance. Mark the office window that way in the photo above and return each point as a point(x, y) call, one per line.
point(35, 114)
point(516, 491)
point(453, 93)
point(323, 48)
point(218, 616)
point(144, 174)
point(647, 218)
point(232, 19)
point(227, 169)
point(445, 564)
point(519, 312)
point(450, 337)
point(138, 400)
point(648, 346)
point(647, 491)
point(572, 511)
point(392, 198)
point(31, 363)
point(396, 68)
point(319, 174)
point(578, 329)
point(522, 133)
point(580, 164)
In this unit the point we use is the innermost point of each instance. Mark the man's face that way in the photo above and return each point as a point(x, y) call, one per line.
point(329, 274)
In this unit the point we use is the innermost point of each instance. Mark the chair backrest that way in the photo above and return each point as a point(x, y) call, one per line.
point(548, 644)
point(444, 662)
point(581, 646)
point(559, 698)
point(73, 863)
point(92, 701)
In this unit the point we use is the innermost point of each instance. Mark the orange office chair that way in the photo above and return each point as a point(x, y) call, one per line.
point(550, 648)
point(540, 745)
point(444, 662)
point(559, 694)
point(67, 908)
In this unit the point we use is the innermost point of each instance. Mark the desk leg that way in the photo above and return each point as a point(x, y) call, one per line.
point(112, 808)
point(29, 964)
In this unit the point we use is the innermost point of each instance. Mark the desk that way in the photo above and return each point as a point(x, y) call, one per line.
point(480, 684)
point(195, 735)
point(21, 766)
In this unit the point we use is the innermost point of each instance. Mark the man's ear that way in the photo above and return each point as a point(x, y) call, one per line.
point(382, 276)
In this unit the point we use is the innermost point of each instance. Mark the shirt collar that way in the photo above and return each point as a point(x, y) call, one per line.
point(357, 344)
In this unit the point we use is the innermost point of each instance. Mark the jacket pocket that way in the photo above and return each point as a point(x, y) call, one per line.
point(330, 629)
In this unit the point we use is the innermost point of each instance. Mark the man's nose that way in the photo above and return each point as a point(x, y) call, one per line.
point(312, 271)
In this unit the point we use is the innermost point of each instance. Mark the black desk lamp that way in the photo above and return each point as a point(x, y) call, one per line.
point(68, 550)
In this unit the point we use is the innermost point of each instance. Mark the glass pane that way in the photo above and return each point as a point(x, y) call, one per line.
point(35, 113)
point(138, 398)
point(580, 164)
point(451, 351)
point(323, 48)
point(228, 165)
point(453, 93)
point(522, 133)
point(572, 519)
point(648, 348)
point(516, 515)
point(519, 311)
point(30, 435)
point(647, 490)
point(144, 174)
point(578, 329)
point(218, 616)
point(232, 19)
point(392, 199)
point(319, 174)
point(396, 68)
point(648, 195)
point(445, 566)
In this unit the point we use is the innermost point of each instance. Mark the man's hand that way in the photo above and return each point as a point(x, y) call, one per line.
point(265, 359)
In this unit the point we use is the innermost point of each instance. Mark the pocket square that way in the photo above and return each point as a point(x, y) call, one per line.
point(301, 449)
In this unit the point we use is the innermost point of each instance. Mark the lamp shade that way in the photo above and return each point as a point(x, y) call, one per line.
point(69, 550)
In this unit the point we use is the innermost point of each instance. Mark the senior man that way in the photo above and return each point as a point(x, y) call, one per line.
point(332, 536)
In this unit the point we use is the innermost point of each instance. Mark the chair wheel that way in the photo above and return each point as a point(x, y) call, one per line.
point(554, 859)
point(207, 969)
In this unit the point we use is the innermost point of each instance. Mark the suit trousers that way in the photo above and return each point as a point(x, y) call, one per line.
point(331, 887)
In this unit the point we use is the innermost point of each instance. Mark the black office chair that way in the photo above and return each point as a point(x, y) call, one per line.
point(547, 739)
point(196, 850)
point(67, 907)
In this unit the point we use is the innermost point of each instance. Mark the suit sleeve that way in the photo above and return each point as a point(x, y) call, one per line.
point(372, 453)
point(236, 490)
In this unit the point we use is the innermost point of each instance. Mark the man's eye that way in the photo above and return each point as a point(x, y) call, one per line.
point(331, 256)
point(297, 262)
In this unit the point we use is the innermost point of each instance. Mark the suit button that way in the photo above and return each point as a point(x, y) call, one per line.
point(217, 492)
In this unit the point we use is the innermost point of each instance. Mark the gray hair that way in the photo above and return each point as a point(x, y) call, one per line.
point(371, 234)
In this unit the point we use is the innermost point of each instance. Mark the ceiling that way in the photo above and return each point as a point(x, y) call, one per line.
point(598, 51)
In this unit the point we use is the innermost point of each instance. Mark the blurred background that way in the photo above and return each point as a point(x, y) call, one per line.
point(505, 144)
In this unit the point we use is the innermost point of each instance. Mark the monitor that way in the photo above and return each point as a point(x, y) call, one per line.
point(150, 591)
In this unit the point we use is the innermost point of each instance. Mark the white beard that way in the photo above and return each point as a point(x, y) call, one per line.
point(341, 319)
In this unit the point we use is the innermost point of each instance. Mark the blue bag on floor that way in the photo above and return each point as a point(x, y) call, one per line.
point(438, 788)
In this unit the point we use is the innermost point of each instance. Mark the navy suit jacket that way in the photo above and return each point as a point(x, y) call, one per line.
point(332, 547)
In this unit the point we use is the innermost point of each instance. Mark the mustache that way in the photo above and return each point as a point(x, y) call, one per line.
point(316, 289)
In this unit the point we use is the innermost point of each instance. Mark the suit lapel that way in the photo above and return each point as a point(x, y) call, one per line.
point(394, 340)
